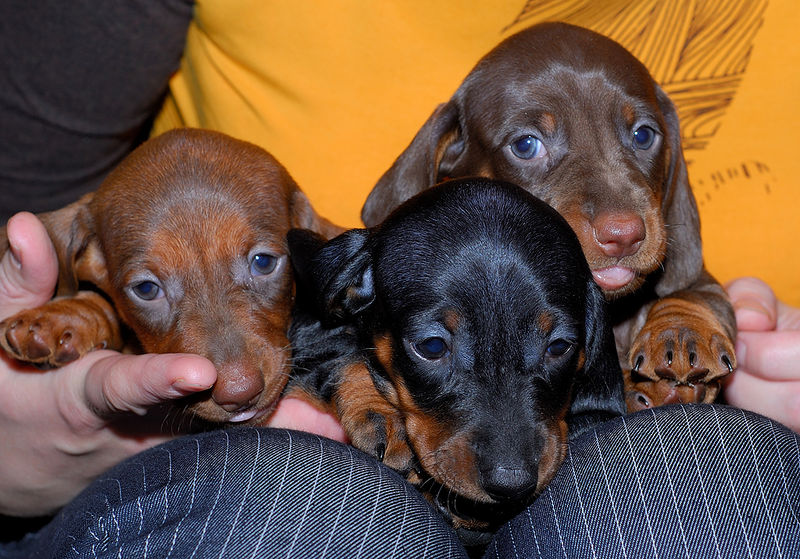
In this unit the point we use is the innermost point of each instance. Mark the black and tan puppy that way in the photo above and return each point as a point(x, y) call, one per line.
point(459, 341)
point(578, 121)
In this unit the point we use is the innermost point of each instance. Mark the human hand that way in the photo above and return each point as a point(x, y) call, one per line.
point(63, 427)
point(767, 379)
point(293, 413)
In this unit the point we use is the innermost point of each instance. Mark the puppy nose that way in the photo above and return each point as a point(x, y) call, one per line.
point(504, 483)
point(237, 387)
point(618, 234)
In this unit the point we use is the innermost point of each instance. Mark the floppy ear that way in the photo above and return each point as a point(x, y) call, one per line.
point(304, 216)
point(80, 257)
point(599, 391)
point(417, 168)
point(684, 260)
point(337, 275)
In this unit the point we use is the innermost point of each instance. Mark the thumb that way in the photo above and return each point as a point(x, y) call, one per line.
point(29, 269)
point(122, 384)
point(754, 303)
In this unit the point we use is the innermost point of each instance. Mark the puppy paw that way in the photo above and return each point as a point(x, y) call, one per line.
point(383, 435)
point(372, 424)
point(679, 356)
point(61, 330)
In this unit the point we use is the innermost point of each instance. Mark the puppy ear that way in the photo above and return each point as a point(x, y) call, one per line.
point(336, 275)
point(303, 216)
point(418, 166)
point(304, 244)
point(684, 259)
point(80, 257)
point(599, 391)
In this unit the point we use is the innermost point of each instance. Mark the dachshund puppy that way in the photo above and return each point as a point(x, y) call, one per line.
point(184, 244)
point(458, 341)
point(576, 120)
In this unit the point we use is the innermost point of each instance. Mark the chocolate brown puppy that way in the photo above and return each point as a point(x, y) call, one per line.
point(578, 121)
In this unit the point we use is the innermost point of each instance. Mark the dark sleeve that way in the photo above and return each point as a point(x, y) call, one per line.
point(80, 82)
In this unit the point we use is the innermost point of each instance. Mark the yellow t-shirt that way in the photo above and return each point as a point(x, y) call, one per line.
point(336, 90)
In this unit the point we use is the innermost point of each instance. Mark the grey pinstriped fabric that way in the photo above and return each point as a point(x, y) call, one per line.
point(677, 482)
point(247, 493)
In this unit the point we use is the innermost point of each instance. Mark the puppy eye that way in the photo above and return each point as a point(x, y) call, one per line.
point(527, 147)
point(431, 348)
point(147, 290)
point(262, 264)
point(558, 348)
point(643, 137)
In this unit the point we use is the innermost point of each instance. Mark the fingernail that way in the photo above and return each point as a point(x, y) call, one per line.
point(185, 386)
point(752, 313)
point(750, 304)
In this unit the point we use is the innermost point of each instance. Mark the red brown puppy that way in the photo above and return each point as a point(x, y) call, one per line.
point(184, 244)
point(578, 121)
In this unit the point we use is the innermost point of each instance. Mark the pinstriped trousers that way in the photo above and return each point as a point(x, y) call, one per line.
point(674, 482)
point(680, 481)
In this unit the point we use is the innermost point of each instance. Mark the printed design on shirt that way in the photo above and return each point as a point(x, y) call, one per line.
point(757, 173)
point(697, 51)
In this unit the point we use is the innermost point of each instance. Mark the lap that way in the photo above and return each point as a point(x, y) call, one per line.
point(675, 481)
point(699, 481)
point(242, 492)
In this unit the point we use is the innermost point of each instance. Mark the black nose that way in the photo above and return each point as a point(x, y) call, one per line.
point(506, 483)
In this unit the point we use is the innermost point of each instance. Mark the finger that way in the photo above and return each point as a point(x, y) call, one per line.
point(28, 271)
point(770, 355)
point(777, 400)
point(788, 317)
point(754, 302)
point(121, 384)
point(293, 413)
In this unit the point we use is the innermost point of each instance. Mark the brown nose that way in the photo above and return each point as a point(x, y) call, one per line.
point(237, 387)
point(618, 234)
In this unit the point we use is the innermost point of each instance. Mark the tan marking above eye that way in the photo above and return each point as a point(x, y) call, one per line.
point(545, 322)
point(547, 123)
point(451, 320)
point(629, 114)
